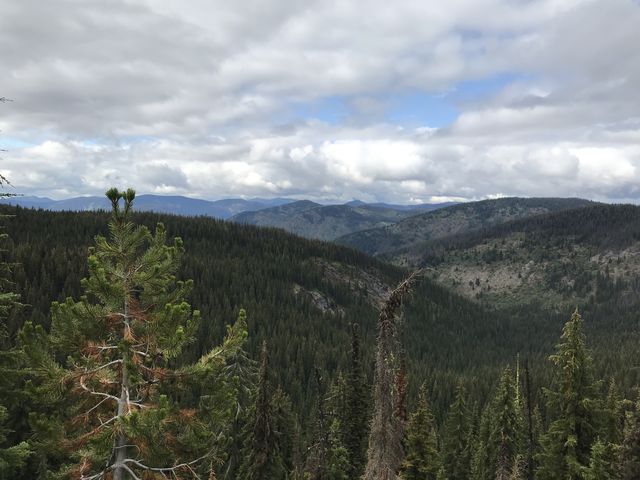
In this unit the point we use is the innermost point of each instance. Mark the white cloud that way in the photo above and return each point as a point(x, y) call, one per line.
point(199, 97)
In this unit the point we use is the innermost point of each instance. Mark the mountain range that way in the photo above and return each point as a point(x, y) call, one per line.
point(175, 204)
point(328, 222)
point(378, 213)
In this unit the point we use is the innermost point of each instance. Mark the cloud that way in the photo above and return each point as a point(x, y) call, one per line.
point(216, 98)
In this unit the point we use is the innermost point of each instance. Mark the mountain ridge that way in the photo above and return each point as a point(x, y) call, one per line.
point(452, 220)
point(328, 222)
point(175, 204)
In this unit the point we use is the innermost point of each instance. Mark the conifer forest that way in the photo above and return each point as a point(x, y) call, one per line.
point(143, 345)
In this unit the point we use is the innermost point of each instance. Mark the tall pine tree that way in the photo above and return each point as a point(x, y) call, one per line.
point(574, 407)
point(628, 465)
point(502, 436)
point(456, 448)
point(262, 459)
point(355, 424)
point(422, 460)
point(131, 415)
point(13, 455)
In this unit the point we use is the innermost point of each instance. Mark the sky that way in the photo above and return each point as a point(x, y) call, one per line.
point(331, 100)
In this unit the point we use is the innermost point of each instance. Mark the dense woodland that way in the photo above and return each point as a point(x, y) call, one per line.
point(130, 355)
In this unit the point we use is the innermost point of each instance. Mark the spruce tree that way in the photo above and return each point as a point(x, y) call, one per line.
point(504, 443)
point(628, 464)
point(13, 455)
point(286, 428)
point(456, 448)
point(601, 465)
point(262, 459)
point(422, 460)
point(131, 413)
point(355, 424)
point(338, 465)
point(613, 415)
point(574, 408)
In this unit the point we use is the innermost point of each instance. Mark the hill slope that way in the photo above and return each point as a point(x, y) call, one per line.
point(586, 256)
point(453, 220)
point(328, 222)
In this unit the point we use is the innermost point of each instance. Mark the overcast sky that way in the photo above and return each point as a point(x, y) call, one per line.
point(401, 101)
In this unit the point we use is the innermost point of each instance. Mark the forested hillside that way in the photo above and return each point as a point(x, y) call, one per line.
point(453, 220)
point(299, 294)
point(584, 256)
point(303, 298)
point(326, 222)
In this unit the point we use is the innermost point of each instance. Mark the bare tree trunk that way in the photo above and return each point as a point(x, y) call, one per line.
point(385, 451)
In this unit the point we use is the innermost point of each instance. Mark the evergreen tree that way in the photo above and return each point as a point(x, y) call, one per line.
point(262, 459)
point(129, 414)
point(456, 448)
point(628, 464)
point(532, 435)
point(504, 444)
point(613, 415)
point(14, 457)
point(338, 465)
point(355, 423)
point(566, 446)
point(286, 428)
point(479, 445)
point(328, 459)
point(601, 465)
point(422, 460)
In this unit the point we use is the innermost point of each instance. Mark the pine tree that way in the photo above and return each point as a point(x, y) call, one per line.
point(422, 461)
point(262, 459)
point(355, 423)
point(286, 428)
point(613, 415)
point(480, 466)
point(456, 448)
point(130, 414)
point(566, 446)
point(628, 464)
point(532, 436)
point(504, 444)
point(14, 457)
point(601, 465)
point(328, 458)
point(338, 465)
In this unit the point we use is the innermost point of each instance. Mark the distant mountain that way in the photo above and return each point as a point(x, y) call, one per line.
point(452, 220)
point(418, 207)
point(174, 204)
point(325, 222)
